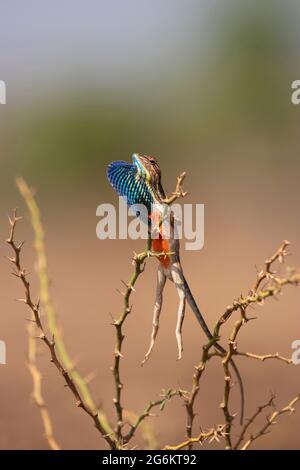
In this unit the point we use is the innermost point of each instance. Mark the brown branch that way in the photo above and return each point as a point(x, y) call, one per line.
point(271, 290)
point(147, 412)
point(255, 297)
point(148, 432)
point(266, 273)
point(251, 420)
point(227, 381)
point(292, 278)
point(270, 421)
point(213, 434)
point(37, 388)
point(50, 343)
point(265, 357)
point(191, 396)
point(139, 266)
point(47, 304)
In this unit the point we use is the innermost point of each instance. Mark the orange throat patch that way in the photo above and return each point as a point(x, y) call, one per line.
point(161, 245)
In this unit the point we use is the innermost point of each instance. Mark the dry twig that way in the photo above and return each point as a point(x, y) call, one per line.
point(265, 357)
point(139, 266)
point(47, 304)
point(251, 420)
point(21, 274)
point(270, 421)
point(255, 296)
point(117, 439)
point(37, 388)
point(167, 395)
point(213, 434)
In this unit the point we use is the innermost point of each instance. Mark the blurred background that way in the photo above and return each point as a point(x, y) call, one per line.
point(206, 87)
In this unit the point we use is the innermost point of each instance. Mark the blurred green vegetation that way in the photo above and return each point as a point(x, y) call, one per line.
point(235, 94)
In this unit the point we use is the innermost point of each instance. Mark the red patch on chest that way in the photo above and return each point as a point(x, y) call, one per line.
point(160, 245)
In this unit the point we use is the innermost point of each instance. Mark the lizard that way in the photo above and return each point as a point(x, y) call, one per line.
point(140, 183)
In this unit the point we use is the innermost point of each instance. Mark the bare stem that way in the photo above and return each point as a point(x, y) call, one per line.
point(251, 420)
point(21, 274)
point(147, 412)
point(192, 395)
point(213, 434)
point(227, 381)
point(139, 266)
point(273, 288)
point(265, 357)
point(270, 421)
point(46, 301)
point(37, 388)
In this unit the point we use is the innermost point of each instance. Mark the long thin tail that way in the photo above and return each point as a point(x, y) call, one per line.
point(206, 330)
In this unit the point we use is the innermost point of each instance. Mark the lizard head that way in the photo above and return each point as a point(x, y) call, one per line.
point(148, 168)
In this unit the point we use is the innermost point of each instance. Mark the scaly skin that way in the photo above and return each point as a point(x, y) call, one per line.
point(140, 183)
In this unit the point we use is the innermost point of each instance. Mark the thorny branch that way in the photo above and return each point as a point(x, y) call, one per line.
point(21, 274)
point(139, 266)
point(265, 357)
point(227, 381)
point(138, 262)
point(147, 412)
point(251, 420)
point(48, 306)
point(37, 387)
point(213, 434)
point(270, 421)
point(62, 361)
point(257, 295)
point(273, 288)
point(267, 273)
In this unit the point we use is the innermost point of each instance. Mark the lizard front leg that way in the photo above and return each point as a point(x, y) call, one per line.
point(161, 281)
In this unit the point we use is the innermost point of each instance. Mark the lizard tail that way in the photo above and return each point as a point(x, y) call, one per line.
point(192, 303)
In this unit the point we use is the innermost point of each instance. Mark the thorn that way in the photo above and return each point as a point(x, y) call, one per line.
point(73, 364)
point(251, 318)
point(120, 292)
point(118, 354)
point(90, 377)
point(112, 318)
point(41, 336)
point(20, 245)
point(128, 286)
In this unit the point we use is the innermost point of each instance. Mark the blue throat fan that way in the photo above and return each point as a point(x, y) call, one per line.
point(125, 179)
